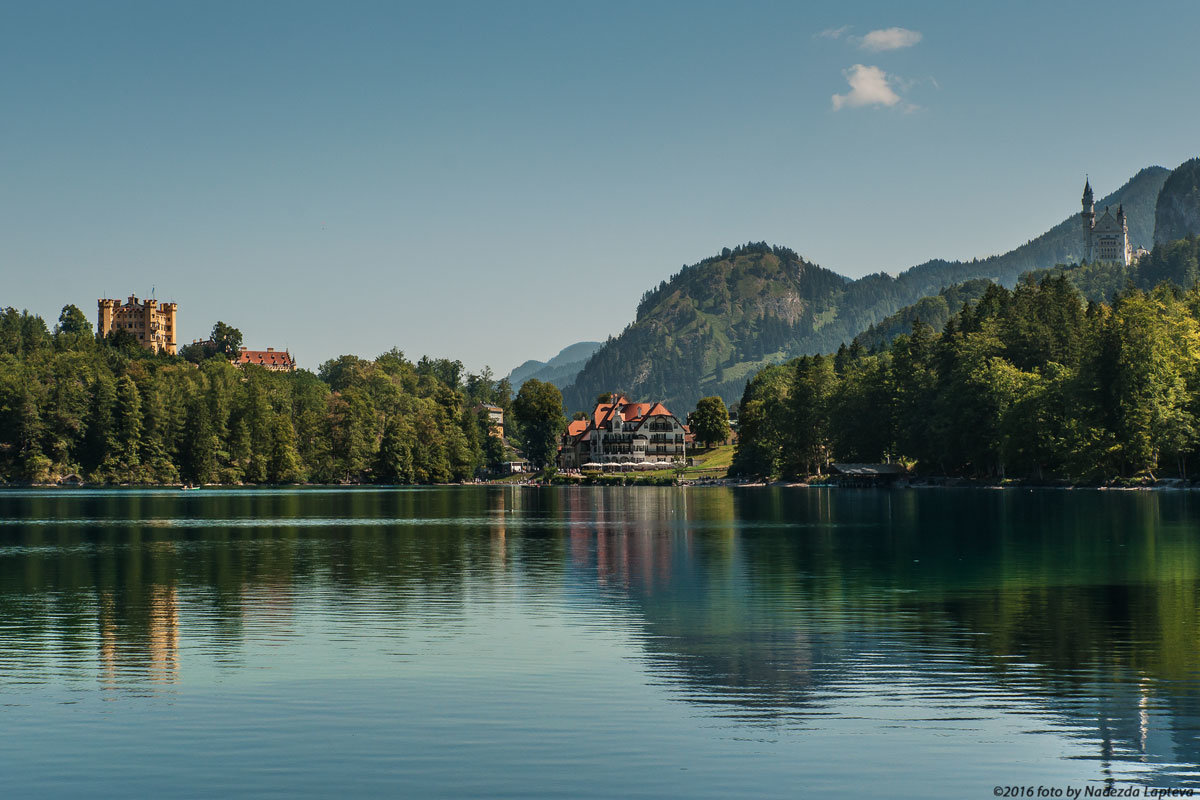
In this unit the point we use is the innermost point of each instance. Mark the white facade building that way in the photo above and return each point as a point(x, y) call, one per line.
point(621, 432)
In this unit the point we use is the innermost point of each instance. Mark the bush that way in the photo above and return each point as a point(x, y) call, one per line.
point(567, 480)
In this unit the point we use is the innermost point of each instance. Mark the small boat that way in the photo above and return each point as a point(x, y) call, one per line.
point(188, 487)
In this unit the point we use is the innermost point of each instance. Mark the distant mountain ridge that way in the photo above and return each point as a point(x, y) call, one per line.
point(708, 327)
point(1177, 212)
point(1174, 258)
point(560, 370)
point(1176, 262)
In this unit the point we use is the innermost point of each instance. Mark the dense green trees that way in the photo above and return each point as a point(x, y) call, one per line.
point(1030, 383)
point(539, 410)
point(710, 421)
point(110, 411)
point(224, 340)
point(764, 422)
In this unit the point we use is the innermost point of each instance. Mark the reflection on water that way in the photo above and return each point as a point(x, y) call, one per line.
point(599, 642)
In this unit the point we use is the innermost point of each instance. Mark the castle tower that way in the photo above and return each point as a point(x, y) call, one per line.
point(1125, 247)
point(1089, 219)
point(166, 319)
point(107, 312)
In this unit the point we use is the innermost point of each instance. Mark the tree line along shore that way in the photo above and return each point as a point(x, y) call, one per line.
point(1043, 383)
point(75, 407)
point(1032, 384)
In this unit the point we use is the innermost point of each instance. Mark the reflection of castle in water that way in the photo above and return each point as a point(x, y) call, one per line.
point(775, 625)
point(771, 607)
point(151, 649)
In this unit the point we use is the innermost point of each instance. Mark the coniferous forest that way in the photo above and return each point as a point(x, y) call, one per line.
point(1037, 383)
point(75, 407)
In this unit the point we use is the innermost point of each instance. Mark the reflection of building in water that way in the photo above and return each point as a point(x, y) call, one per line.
point(108, 639)
point(1142, 722)
point(635, 532)
point(129, 645)
point(500, 506)
point(163, 638)
point(770, 613)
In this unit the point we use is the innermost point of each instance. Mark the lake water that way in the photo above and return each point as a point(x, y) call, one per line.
point(638, 642)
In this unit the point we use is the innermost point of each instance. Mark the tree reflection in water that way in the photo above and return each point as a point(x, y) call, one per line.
point(768, 606)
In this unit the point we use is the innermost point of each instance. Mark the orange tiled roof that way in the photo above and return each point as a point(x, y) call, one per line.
point(577, 427)
point(659, 410)
point(634, 411)
point(601, 413)
point(621, 410)
point(265, 358)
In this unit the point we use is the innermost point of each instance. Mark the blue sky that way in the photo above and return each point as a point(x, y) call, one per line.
point(491, 181)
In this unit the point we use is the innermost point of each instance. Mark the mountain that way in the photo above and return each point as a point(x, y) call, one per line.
point(1177, 213)
point(1176, 262)
point(710, 326)
point(560, 370)
point(934, 310)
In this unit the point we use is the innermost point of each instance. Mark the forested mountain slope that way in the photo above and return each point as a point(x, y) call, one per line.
point(1176, 262)
point(1177, 213)
point(934, 310)
point(1029, 384)
point(714, 323)
point(734, 309)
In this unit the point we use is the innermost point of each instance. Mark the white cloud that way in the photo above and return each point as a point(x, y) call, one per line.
point(869, 86)
point(889, 39)
point(834, 33)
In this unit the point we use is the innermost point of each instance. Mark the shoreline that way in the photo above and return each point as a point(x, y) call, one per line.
point(1164, 485)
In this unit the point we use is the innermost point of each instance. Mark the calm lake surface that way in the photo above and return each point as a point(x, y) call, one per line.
point(638, 642)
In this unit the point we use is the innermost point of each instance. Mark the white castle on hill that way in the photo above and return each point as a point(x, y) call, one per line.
point(1106, 239)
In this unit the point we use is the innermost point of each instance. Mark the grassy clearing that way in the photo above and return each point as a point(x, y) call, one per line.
point(712, 463)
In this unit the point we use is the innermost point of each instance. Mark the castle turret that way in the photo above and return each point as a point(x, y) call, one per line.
point(1126, 247)
point(1089, 219)
point(107, 311)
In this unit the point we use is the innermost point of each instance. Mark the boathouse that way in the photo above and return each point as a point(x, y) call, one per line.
point(866, 476)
